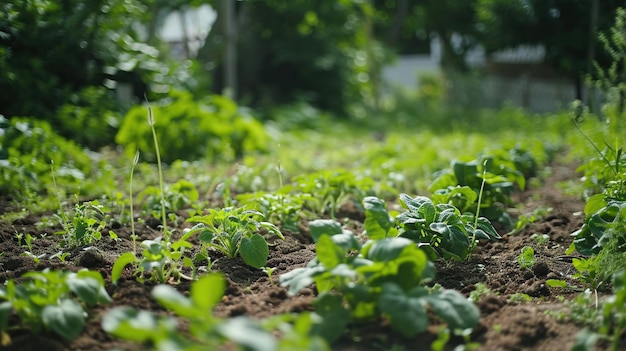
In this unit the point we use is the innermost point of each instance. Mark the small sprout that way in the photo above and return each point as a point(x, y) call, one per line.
point(527, 258)
point(269, 271)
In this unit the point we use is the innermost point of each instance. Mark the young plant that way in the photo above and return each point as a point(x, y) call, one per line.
point(279, 208)
point(161, 260)
point(527, 258)
point(382, 278)
point(441, 230)
point(235, 232)
point(52, 301)
point(84, 225)
point(207, 331)
point(331, 189)
point(491, 176)
point(181, 194)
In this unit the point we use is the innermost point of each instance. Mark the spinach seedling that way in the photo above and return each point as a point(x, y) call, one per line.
point(381, 278)
point(235, 232)
point(441, 230)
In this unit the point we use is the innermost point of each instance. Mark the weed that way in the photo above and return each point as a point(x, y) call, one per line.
point(85, 224)
point(527, 258)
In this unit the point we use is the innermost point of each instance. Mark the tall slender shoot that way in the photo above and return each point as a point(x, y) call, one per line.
point(130, 191)
point(166, 232)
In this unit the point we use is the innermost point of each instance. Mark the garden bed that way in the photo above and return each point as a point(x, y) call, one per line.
point(518, 310)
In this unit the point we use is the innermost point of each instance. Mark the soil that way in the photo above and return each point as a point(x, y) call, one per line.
point(505, 324)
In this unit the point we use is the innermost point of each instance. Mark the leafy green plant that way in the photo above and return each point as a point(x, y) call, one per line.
point(380, 279)
point(179, 195)
point(331, 188)
point(44, 302)
point(492, 175)
point(207, 331)
point(161, 260)
point(190, 129)
point(26, 148)
point(526, 259)
point(235, 232)
point(84, 225)
point(440, 229)
point(281, 209)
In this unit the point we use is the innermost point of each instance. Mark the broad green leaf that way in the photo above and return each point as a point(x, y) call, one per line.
point(125, 259)
point(485, 225)
point(346, 241)
point(244, 332)
point(329, 253)
point(207, 291)
point(206, 236)
point(594, 204)
point(302, 277)
point(66, 319)
point(135, 325)
point(88, 289)
point(387, 249)
point(556, 283)
point(5, 312)
point(377, 220)
point(174, 301)
point(406, 312)
point(335, 316)
point(254, 251)
point(454, 309)
point(320, 227)
point(467, 174)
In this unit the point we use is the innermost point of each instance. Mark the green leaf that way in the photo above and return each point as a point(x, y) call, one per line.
point(254, 251)
point(135, 325)
point(377, 220)
point(125, 259)
point(88, 289)
point(66, 319)
point(207, 291)
point(329, 253)
point(556, 283)
point(244, 332)
point(5, 312)
point(206, 236)
point(174, 301)
point(454, 309)
point(406, 311)
point(335, 316)
point(301, 277)
point(320, 227)
point(594, 204)
point(387, 249)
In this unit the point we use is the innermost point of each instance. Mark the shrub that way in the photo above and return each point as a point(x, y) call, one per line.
point(189, 129)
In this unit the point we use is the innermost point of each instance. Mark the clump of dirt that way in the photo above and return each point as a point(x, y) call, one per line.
point(505, 323)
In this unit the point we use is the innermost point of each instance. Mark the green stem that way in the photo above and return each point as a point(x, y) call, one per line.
point(132, 215)
point(166, 233)
point(480, 200)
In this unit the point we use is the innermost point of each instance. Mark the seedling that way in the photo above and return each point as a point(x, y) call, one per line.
point(235, 232)
point(85, 225)
point(382, 278)
point(441, 230)
point(527, 258)
point(269, 271)
point(207, 331)
point(44, 301)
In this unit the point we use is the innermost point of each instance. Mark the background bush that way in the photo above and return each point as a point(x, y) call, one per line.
point(189, 129)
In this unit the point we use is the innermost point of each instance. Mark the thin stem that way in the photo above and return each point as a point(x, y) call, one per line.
point(166, 233)
point(480, 200)
point(132, 215)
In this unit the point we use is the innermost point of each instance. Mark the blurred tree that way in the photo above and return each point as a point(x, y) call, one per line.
point(407, 26)
point(566, 28)
point(52, 52)
point(312, 50)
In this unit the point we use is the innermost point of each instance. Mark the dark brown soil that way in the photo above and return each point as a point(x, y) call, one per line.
point(505, 324)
